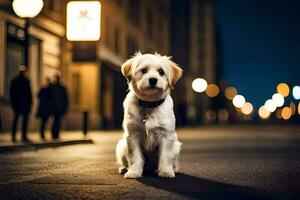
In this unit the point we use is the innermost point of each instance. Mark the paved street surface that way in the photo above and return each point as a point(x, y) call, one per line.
point(240, 162)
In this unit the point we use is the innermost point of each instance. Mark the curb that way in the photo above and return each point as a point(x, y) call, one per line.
point(37, 146)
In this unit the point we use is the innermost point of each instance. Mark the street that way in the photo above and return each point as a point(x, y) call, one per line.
point(226, 162)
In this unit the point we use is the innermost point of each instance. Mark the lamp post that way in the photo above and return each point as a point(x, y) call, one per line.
point(27, 9)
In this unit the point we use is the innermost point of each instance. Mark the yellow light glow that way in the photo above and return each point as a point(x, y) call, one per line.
point(283, 89)
point(270, 105)
point(278, 99)
point(223, 115)
point(199, 85)
point(286, 113)
point(293, 108)
point(212, 90)
point(263, 113)
point(27, 8)
point(247, 108)
point(230, 93)
point(299, 108)
point(83, 20)
point(238, 101)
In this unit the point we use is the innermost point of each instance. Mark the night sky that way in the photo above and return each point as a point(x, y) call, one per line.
point(259, 43)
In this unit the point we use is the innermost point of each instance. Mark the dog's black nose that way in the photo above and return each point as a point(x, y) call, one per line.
point(152, 81)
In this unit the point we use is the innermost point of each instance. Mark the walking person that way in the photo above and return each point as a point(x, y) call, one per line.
point(21, 102)
point(44, 108)
point(60, 104)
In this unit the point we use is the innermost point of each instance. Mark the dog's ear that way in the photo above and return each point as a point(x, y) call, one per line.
point(126, 69)
point(175, 73)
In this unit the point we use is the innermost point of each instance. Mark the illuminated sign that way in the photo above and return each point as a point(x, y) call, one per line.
point(83, 20)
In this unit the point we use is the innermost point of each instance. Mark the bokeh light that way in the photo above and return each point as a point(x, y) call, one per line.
point(223, 115)
point(247, 108)
point(278, 99)
point(278, 113)
point(296, 92)
point(286, 113)
point(212, 90)
point(238, 101)
point(230, 92)
point(270, 105)
point(283, 89)
point(263, 112)
point(299, 108)
point(293, 108)
point(199, 85)
point(211, 115)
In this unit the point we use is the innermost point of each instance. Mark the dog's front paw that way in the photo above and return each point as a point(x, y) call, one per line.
point(132, 174)
point(166, 174)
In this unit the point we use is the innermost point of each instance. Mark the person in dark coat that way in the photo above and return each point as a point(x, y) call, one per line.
point(21, 102)
point(60, 105)
point(44, 108)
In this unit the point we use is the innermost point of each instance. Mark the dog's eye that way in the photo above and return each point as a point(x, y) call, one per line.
point(144, 70)
point(161, 72)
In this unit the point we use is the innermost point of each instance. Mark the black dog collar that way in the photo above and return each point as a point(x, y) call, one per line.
point(150, 104)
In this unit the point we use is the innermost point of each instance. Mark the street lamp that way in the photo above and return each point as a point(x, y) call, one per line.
point(27, 9)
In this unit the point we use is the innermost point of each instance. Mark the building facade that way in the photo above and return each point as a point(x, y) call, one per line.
point(46, 50)
point(96, 84)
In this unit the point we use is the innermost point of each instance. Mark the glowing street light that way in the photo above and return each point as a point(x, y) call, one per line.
point(83, 20)
point(278, 99)
point(286, 113)
point(212, 90)
point(230, 92)
point(238, 101)
point(27, 8)
point(296, 92)
point(199, 85)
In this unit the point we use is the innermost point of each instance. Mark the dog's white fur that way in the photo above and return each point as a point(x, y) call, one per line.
point(153, 136)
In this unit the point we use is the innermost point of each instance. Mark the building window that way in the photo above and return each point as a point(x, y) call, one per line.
point(76, 82)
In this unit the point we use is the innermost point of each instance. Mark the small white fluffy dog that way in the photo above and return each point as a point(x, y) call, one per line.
point(149, 135)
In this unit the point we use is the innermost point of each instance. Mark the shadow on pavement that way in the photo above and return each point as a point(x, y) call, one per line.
point(194, 187)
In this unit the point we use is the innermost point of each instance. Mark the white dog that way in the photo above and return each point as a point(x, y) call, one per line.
point(149, 136)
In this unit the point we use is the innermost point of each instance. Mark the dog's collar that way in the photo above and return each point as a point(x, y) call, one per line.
point(150, 104)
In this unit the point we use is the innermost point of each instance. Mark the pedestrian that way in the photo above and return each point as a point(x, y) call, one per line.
point(21, 101)
point(60, 104)
point(44, 108)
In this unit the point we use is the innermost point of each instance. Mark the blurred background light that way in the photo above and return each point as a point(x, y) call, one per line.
point(286, 113)
point(247, 108)
point(270, 105)
point(230, 92)
point(299, 108)
point(296, 92)
point(293, 108)
point(283, 89)
point(263, 112)
point(278, 99)
point(223, 115)
point(238, 101)
point(278, 113)
point(199, 85)
point(212, 90)
point(27, 8)
point(211, 115)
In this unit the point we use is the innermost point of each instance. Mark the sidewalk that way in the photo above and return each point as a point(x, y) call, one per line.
point(66, 138)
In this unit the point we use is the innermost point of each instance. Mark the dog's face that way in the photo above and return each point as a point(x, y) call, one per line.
point(151, 76)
